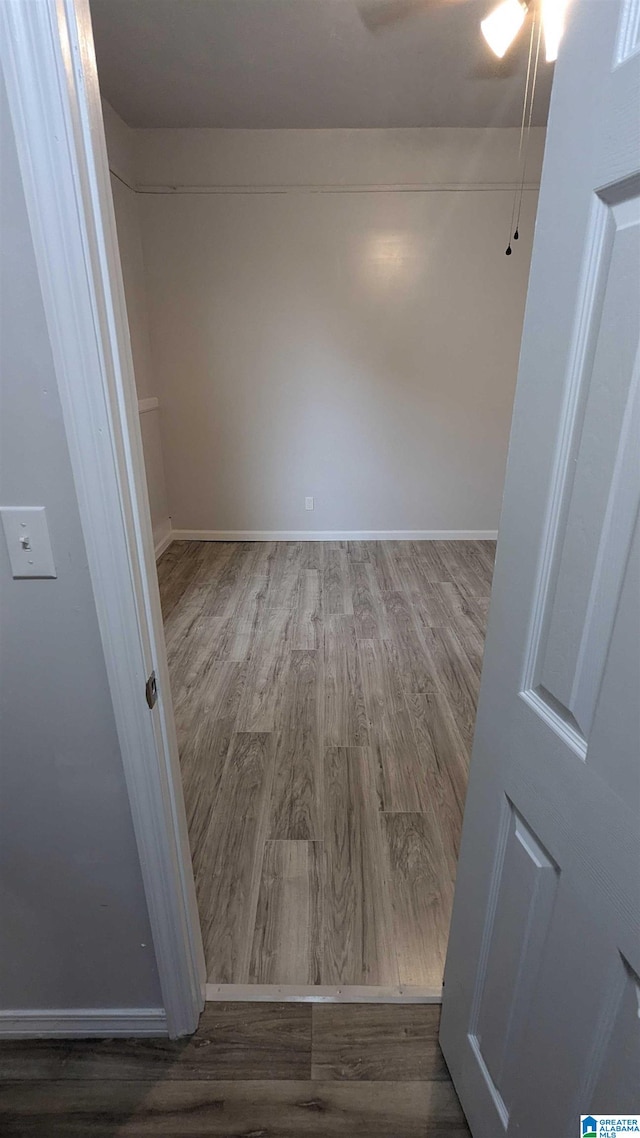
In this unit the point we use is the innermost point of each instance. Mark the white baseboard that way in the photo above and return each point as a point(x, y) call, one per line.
point(335, 535)
point(81, 1023)
point(324, 993)
point(162, 537)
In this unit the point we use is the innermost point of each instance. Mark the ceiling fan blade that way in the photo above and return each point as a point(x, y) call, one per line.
point(379, 14)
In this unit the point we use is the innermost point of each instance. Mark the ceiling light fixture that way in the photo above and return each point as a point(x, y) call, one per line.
point(553, 14)
point(503, 24)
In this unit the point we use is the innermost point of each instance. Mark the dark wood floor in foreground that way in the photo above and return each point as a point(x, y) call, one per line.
point(325, 697)
point(253, 1070)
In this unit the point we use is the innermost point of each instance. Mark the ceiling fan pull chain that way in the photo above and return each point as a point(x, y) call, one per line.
point(516, 235)
point(526, 86)
point(523, 120)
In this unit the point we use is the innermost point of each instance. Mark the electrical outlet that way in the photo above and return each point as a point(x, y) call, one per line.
point(308, 503)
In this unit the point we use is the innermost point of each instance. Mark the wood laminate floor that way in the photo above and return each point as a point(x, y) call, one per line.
point(325, 697)
point(267, 1070)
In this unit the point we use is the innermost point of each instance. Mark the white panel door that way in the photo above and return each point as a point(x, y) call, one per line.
point(541, 1006)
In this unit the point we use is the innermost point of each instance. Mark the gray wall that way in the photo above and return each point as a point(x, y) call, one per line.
point(74, 930)
point(332, 314)
point(323, 313)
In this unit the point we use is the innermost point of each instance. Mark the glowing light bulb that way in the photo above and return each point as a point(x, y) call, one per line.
point(503, 24)
point(553, 16)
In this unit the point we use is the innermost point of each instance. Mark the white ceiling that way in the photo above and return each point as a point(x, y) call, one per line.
point(307, 63)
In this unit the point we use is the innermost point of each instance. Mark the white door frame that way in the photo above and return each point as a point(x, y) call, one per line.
point(46, 49)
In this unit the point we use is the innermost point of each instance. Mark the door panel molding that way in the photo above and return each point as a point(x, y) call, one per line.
point(590, 293)
point(527, 880)
point(621, 982)
point(572, 619)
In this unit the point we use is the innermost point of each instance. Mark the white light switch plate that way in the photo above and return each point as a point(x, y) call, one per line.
point(27, 534)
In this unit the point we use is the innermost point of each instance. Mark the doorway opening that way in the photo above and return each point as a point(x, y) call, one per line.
point(325, 334)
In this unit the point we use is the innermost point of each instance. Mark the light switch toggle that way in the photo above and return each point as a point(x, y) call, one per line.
point(27, 537)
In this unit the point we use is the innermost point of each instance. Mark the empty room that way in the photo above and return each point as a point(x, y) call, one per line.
point(313, 204)
point(319, 568)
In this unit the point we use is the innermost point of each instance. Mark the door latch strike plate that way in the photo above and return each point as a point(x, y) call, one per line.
point(151, 690)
